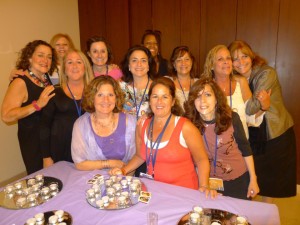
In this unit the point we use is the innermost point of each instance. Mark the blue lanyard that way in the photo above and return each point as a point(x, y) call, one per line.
point(136, 106)
point(182, 88)
point(78, 107)
point(216, 150)
point(153, 152)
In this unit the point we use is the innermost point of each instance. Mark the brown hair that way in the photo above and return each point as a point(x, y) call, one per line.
point(223, 111)
point(92, 89)
point(55, 38)
point(176, 108)
point(27, 52)
point(95, 39)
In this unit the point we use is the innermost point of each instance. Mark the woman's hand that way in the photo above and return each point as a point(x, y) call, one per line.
point(209, 192)
point(253, 189)
point(45, 96)
point(264, 97)
point(15, 73)
point(47, 162)
point(115, 171)
point(115, 163)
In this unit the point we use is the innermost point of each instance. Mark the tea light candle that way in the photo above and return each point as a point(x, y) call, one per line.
point(129, 179)
point(18, 185)
point(198, 209)
point(124, 183)
point(9, 189)
point(39, 217)
point(21, 201)
point(45, 190)
point(31, 221)
point(90, 193)
point(108, 183)
point(53, 220)
point(26, 191)
point(117, 187)
point(30, 182)
point(31, 198)
point(113, 178)
point(53, 186)
point(121, 201)
point(100, 203)
point(39, 177)
point(60, 215)
point(194, 218)
point(35, 187)
point(125, 194)
point(241, 220)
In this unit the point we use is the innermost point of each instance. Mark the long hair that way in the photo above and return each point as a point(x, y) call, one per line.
point(157, 35)
point(247, 50)
point(178, 52)
point(168, 83)
point(210, 60)
point(92, 89)
point(55, 38)
point(94, 39)
point(23, 62)
point(223, 111)
point(127, 75)
point(88, 72)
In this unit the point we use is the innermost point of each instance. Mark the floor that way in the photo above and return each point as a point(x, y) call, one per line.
point(289, 209)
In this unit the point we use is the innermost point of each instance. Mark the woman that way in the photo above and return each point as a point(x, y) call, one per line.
point(61, 112)
point(27, 95)
point(276, 162)
point(100, 54)
point(218, 66)
point(169, 144)
point(137, 67)
point(183, 72)
point(151, 39)
point(227, 147)
point(103, 137)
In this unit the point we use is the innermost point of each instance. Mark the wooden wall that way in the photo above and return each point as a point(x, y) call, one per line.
point(271, 27)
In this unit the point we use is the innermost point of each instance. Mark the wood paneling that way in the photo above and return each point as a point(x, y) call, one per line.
point(257, 24)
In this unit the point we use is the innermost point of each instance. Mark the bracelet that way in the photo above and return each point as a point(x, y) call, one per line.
point(35, 105)
point(105, 164)
point(123, 171)
point(203, 186)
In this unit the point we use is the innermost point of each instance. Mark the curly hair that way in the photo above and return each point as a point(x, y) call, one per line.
point(210, 61)
point(56, 37)
point(246, 49)
point(127, 75)
point(178, 52)
point(88, 72)
point(26, 53)
point(157, 35)
point(95, 39)
point(223, 116)
point(92, 89)
point(168, 83)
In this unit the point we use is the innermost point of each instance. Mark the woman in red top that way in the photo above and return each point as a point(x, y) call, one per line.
point(171, 145)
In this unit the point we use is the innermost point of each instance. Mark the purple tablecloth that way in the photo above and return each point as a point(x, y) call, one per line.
point(168, 201)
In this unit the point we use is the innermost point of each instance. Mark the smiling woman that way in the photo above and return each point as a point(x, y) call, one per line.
point(27, 95)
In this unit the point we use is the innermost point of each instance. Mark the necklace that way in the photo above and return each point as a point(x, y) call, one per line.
point(40, 82)
point(104, 126)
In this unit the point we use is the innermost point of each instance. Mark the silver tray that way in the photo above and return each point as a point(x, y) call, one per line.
point(131, 200)
point(10, 202)
point(67, 218)
point(217, 215)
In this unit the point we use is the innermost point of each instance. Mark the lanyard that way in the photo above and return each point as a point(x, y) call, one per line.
point(182, 88)
point(153, 152)
point(78, 107)
point(230, 94)
point(138, 107)
point(106, 69)
point(216, 150)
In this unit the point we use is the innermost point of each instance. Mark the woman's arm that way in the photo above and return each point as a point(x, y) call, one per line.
point(195, 144)
point(253, 188)
point(246, 92)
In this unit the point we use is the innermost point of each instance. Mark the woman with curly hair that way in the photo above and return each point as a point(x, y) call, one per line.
point(103, 137)
point(27, 95)
point(228, 149)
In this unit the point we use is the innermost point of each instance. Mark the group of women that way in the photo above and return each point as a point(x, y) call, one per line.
point(174, 127)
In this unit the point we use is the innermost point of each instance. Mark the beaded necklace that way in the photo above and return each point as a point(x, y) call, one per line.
point(40, 82)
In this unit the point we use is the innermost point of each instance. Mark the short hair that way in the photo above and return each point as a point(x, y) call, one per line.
point(95, 39)
point(92, 89)
point(55, 38)
point(179, 52)
point(88, 72)
point(246, 49)
point(168, 83)
point(127, 75)
point(223, 111)
point(26, 53)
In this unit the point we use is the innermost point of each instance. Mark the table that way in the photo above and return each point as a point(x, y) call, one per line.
point(168, 201)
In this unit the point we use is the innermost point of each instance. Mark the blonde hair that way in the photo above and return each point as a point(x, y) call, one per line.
point(88, 72)
point(55, 38)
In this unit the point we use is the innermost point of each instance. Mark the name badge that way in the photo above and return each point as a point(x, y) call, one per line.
point(145, 175)
point(216, 184)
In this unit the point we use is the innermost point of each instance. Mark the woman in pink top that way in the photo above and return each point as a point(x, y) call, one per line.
point(171, 145)
point(100, 54)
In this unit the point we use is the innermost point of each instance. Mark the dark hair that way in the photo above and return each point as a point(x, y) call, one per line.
point(127, 75)
point(27, 52)
point(246, 49)
point(176, 108)
point(157, 35)
point(179, 52)
point(223, 111)
point(92, 89)
point(94, 39)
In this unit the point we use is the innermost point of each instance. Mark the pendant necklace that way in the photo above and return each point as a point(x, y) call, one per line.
point(40, 82)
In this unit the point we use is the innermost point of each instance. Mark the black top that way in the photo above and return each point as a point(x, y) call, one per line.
point(56, 126)
point(163, 67)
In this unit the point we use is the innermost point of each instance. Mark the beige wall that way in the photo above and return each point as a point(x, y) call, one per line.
point(21, 22)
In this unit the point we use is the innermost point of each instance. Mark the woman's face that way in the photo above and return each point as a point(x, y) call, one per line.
point(105, 99)
point(150, 42)
point(161, 101)
point(183, 65)
point(138, 63)
point(41, 59)
point(206, 103)
point(98, 53)
point(62, 47)
point(74, 67)
point(242, 63)
point(222, 65)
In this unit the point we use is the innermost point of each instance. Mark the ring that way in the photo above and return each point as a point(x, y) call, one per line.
point(252, 192)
